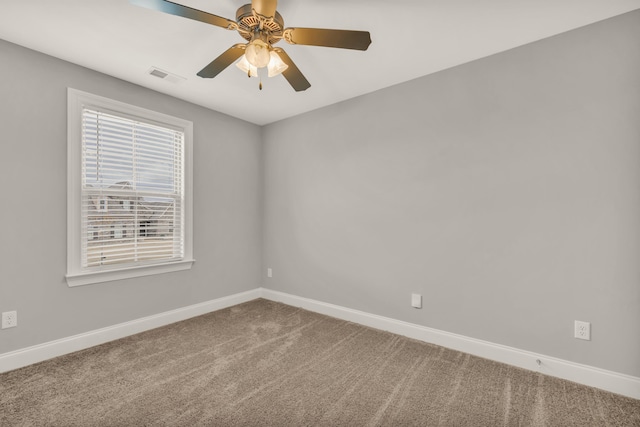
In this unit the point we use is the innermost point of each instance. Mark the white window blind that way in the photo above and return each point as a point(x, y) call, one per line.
point(132, 195)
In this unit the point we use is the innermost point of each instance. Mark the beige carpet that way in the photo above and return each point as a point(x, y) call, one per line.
point(267, 364)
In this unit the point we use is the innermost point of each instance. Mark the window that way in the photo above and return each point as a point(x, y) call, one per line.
point(129, 191)
point(102, 205)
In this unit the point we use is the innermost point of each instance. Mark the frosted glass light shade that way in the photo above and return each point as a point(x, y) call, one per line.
point(276, 66)
point(257, 53)
point(248, 69)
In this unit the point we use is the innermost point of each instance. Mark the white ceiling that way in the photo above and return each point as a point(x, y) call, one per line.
point(411, 38)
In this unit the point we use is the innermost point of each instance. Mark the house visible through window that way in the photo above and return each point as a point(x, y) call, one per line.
point(132, 190)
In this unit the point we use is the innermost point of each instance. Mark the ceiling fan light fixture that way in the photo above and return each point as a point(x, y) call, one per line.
point(245, 66)
point(257, 53)
point(276, 65)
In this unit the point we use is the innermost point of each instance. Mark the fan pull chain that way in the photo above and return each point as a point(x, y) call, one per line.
point(260, 86)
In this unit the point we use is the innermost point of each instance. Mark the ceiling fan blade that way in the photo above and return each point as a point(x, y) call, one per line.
point(266, 8)
point(344, 39)
point(223, 61)
point(186, 12)
point(293, 75)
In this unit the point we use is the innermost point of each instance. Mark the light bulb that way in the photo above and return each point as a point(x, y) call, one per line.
point(248, 69)
point(257, 53)
point(276, 65)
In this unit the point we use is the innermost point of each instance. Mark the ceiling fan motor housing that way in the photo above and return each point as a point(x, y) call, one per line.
point(250, 22)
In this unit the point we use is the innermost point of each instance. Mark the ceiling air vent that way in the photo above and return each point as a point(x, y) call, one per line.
point(165, 75)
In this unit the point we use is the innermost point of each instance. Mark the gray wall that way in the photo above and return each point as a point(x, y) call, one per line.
point(227, 206)
point(505, 191)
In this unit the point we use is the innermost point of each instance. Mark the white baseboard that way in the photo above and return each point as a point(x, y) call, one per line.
point(38, 353)
point(595, 377)
point(607, 380)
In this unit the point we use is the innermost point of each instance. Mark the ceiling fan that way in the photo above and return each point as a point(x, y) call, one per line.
point(262, 26)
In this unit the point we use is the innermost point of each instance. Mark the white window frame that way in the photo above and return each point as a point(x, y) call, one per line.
point(76, 275)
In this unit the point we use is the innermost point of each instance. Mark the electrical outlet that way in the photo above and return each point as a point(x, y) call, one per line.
point(582, 330)
point(269, 272)
point(9, 319)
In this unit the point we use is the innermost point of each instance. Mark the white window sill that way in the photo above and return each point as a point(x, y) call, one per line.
point(88, 278)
